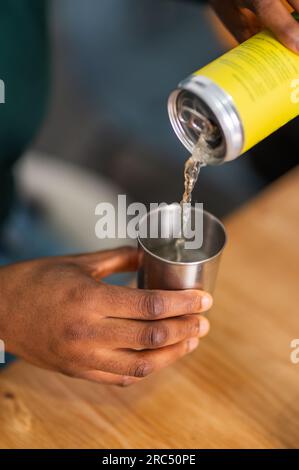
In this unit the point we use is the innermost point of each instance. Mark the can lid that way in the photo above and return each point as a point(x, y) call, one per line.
point(199, 105)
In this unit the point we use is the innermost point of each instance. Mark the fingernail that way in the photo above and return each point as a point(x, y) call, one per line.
point(192, 344)
point(206, 302)
point(204, 326)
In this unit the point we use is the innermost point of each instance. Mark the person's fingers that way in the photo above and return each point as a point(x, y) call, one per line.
point(241, 23)
point(103, 263)
point(126, 302)
point(251, 25)
point(108, 378)
point(275, 16)
point(134, 334)
point(294, 4)
point(141, 363)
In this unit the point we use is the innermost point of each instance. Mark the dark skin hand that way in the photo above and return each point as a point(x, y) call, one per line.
point(243, 18)
point(58, 314)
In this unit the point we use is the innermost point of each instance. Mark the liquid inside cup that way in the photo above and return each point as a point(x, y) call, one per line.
point(171, 251)
point(175, 249)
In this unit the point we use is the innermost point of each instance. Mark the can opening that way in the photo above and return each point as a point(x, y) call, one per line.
point(194, 117)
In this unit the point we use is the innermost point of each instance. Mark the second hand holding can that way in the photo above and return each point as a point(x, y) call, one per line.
point(238, 99)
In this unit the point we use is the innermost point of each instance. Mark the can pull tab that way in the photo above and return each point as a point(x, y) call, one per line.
point(191, 117)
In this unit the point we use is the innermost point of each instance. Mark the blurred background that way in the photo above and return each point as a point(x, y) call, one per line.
point(114, 63)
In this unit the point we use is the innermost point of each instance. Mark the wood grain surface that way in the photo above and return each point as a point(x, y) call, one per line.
point(238, 390)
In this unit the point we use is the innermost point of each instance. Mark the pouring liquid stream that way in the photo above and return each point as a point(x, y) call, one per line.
point(191, 173)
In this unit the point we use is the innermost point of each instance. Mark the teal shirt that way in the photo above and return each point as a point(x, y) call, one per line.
point(24, 68)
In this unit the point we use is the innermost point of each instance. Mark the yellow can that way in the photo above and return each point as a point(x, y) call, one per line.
point(245, 95)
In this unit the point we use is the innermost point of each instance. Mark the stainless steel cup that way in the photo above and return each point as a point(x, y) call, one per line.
point(197, 268)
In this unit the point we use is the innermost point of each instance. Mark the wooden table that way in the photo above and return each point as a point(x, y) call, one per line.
point(238, 390)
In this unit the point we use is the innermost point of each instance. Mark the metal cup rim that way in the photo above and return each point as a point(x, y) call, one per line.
point(185, 263)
